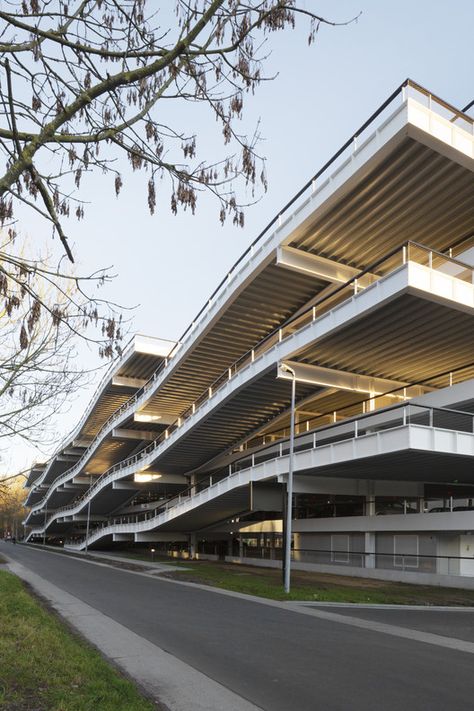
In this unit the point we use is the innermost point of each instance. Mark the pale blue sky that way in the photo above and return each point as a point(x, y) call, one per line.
point(170, 265)
point(323, 93)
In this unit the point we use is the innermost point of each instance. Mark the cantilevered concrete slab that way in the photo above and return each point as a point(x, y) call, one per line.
point(378, 455)
point(141, 357)
point(408, 287)
point(319, 291)
point(414, 150)
point(386, 190)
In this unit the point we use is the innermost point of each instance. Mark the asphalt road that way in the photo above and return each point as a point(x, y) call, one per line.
point(276, 658)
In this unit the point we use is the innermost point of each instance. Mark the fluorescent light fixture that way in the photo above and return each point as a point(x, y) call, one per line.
point(142, 417)
point(144, 477)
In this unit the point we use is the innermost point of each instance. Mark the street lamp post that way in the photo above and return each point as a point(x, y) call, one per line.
point(44, 526)
point(289, 485)
point(88, 515)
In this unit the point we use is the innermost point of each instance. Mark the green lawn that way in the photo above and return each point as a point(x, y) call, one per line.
point(317, 587)
point(45, 667)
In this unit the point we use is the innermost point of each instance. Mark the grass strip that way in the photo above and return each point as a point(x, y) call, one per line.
point(45, 667)
point(318, 587)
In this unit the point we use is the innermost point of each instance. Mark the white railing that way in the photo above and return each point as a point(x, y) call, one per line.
point(240, 472)
point(389, 418)
point(410, 251)
point(408, 88)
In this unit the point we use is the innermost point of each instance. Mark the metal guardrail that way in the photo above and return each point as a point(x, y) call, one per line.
point(410, 251)
point(390, 418)
point(344, 416)
point(403, 506)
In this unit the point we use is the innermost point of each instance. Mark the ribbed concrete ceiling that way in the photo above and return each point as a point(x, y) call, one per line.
point(409, 339)
point(137, 365)
point(442, 381)
point(35, 473)
point(140, 365)
point(408, 465)
point(265, 304)
point(231, 504)
point(414, 194)
point(112, 450)
point(320, 411)
point(254, 405)
point(108, 453)
point(59, 466)
point(110, 400)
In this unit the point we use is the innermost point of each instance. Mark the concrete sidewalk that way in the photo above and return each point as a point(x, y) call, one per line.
point(174, 685)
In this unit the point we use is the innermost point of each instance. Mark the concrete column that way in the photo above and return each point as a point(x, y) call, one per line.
point(370, 505)
point(192, 545)
point(448, 549)
point(241, 547)
point(193, 481)
point(466, 551)
point(229, 547)
point(370, 550)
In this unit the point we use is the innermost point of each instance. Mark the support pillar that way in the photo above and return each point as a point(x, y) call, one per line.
point(370, 505)
point(369, 550)
point(371, 404)
point(192, 545)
